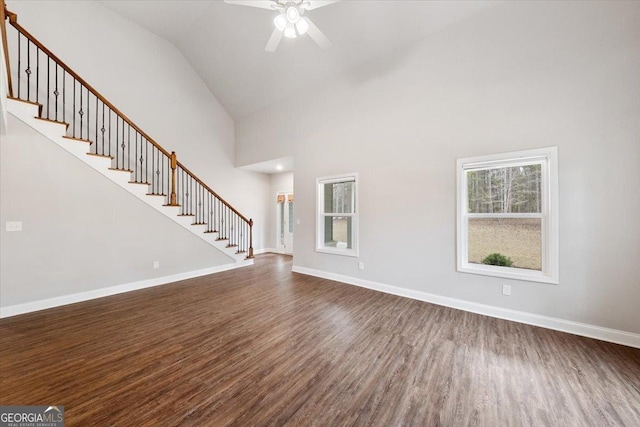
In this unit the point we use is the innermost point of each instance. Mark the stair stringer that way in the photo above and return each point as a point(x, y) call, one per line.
point(56, 132)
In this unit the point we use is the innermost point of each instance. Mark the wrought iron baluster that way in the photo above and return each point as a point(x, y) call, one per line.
point(103, 129)
point(141, 159)
point(158, 168)
point(80, 112)
point(137, 171)
point(37, 74)
point(28, 70)
point(64, 95)
point(122, 145)
point(95, 141)
point(88, 112)
point(116, 142)
point(153, 168)
point(109, 142)
point(146, 161)
point(129, 147)
point(202, 204)
point(56, 93)
point(189, 195)
point(19, 65)
point(197, 203)
point(74, 107)
point(183, 205)
point(208, 211)
point(48, 83)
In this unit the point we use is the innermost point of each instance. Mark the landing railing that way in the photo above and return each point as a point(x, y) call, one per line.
point(40, 77)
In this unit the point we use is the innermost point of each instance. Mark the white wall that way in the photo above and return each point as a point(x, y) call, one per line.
point(519, 76)
point(279, 183)
point(149, 80)
point(81, 232)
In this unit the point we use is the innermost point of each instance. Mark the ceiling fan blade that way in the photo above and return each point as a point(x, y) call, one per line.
point(274, 40)
point(262, 4)
point(314, 4)
point(317, 35)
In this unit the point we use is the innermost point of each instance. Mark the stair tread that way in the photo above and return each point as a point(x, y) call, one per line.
point(78, 139)
point(138, 182)
point(25, 101)
point(222, 238)
point(199, 223)
point(211, 231)
point(157, 194)
point(186, 215)
point(52, 121)
point(121, 170)
point(172, 206)
point(100, 155)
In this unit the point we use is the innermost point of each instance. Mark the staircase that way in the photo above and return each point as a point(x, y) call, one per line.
point(47, 95)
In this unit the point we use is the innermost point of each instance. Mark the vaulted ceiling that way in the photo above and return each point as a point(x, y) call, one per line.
point(225, 43)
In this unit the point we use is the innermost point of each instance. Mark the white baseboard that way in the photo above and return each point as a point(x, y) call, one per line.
point(29, 307)
point(605, 334)
point(268, 250)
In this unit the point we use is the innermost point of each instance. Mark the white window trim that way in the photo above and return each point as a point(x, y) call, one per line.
point(549, 215)
point(354, 251)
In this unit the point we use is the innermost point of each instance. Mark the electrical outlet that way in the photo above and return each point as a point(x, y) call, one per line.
point(14, 226)
point(506, 289)
point(156, 264)
point(361, 265)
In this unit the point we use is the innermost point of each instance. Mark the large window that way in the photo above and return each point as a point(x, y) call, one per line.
point(337, 226)
point(508, 215)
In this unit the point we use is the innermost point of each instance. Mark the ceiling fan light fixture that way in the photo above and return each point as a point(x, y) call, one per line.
point(290, 31)
point(293, 14)
point(302, 26)
point(280, 22)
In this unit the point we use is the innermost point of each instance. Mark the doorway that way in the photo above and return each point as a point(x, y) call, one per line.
point(285, 223)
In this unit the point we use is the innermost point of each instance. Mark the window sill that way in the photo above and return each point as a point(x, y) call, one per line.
point(509, 273)
point(335, 251)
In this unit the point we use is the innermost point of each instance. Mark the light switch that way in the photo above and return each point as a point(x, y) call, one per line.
point(14, 226)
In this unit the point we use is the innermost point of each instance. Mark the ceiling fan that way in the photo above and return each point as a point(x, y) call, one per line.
point(290, 22)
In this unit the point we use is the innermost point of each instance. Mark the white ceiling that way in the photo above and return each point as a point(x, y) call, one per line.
point(225, 43)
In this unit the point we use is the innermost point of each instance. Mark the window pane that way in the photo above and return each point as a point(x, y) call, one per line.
point(337, 232)
point(339, 197)
point(518, 239)
point(514, 189)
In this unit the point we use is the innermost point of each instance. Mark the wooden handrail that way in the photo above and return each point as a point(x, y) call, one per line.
point(192, 175)
point(14, 22)
point(4, 13)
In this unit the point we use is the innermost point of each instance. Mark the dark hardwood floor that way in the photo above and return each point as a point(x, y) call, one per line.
point(264, 346)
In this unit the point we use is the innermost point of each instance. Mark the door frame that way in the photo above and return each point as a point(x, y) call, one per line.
point(280, 246)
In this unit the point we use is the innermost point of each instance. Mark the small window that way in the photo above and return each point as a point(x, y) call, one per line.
point(508, 215)
point(337, 226)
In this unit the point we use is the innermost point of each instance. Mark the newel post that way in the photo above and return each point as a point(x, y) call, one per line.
point(4, 14)
point(173, 200)
point(250, 238)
